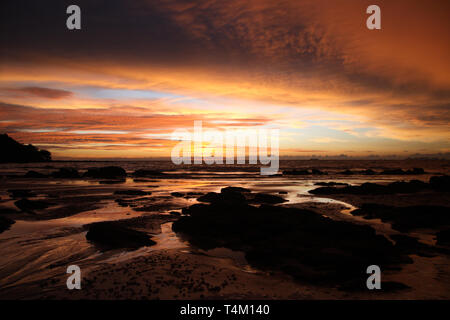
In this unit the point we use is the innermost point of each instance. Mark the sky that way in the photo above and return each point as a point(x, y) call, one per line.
point(138, 70)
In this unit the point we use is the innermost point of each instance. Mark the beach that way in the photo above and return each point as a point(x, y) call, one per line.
point(53, 214)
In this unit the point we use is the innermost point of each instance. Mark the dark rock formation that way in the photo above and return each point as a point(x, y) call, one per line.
point(298, 242)
point(147, 173)
point(21, 193)
point(438, 183)
point(115, 236)
point(111, 172)
point(406, 218)
point(330, 184)
point(35, 175)
point(13, 151)
point(31, 205)
point(296, 172)
point(443, 237)
point(177, 194)
point(227, 197)
point(132, 192)
point(266, 198)
point(5, 223)
point(234, 189)
point(66, 173)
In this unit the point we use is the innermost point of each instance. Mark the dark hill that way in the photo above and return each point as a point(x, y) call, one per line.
point(13, 151)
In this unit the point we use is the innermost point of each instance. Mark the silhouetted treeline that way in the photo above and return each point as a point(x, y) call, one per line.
point(13, 151)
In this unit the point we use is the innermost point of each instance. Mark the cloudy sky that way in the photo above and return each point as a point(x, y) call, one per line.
point(138, 70)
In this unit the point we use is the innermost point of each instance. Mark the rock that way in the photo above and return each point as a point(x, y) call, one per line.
point(234, 189)
point(111, 172)
point(5, 223)
point(35, 175)
point(177, 194)
point(393, 172)
point(318, 172)
point(175, 213)
point(443, 237)
point(347, 172)
point(31, 205)
point(406, 218)
point(21, 193)
point(66, 173)
point(120, 181)
point(282, 192)
point(301, 243)
point(296, 172)
point(266, 198)
point(369, 172)
point(330, 184)
point(416, 171)
point(113, 235)
point(147, 173)
point(223, 198)
point(132, 192)
point(210, 197)
point(13, 151)
point(440, 183)
point(7, 210)
point(373, 188)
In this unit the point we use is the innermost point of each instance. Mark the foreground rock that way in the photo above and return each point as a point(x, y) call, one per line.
point(301, 243)
point(443, 237)
point(407, 218)
point(32, 205)
point(110, 172)
point(238, 195)
point(5, 223)
point(116, 236)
